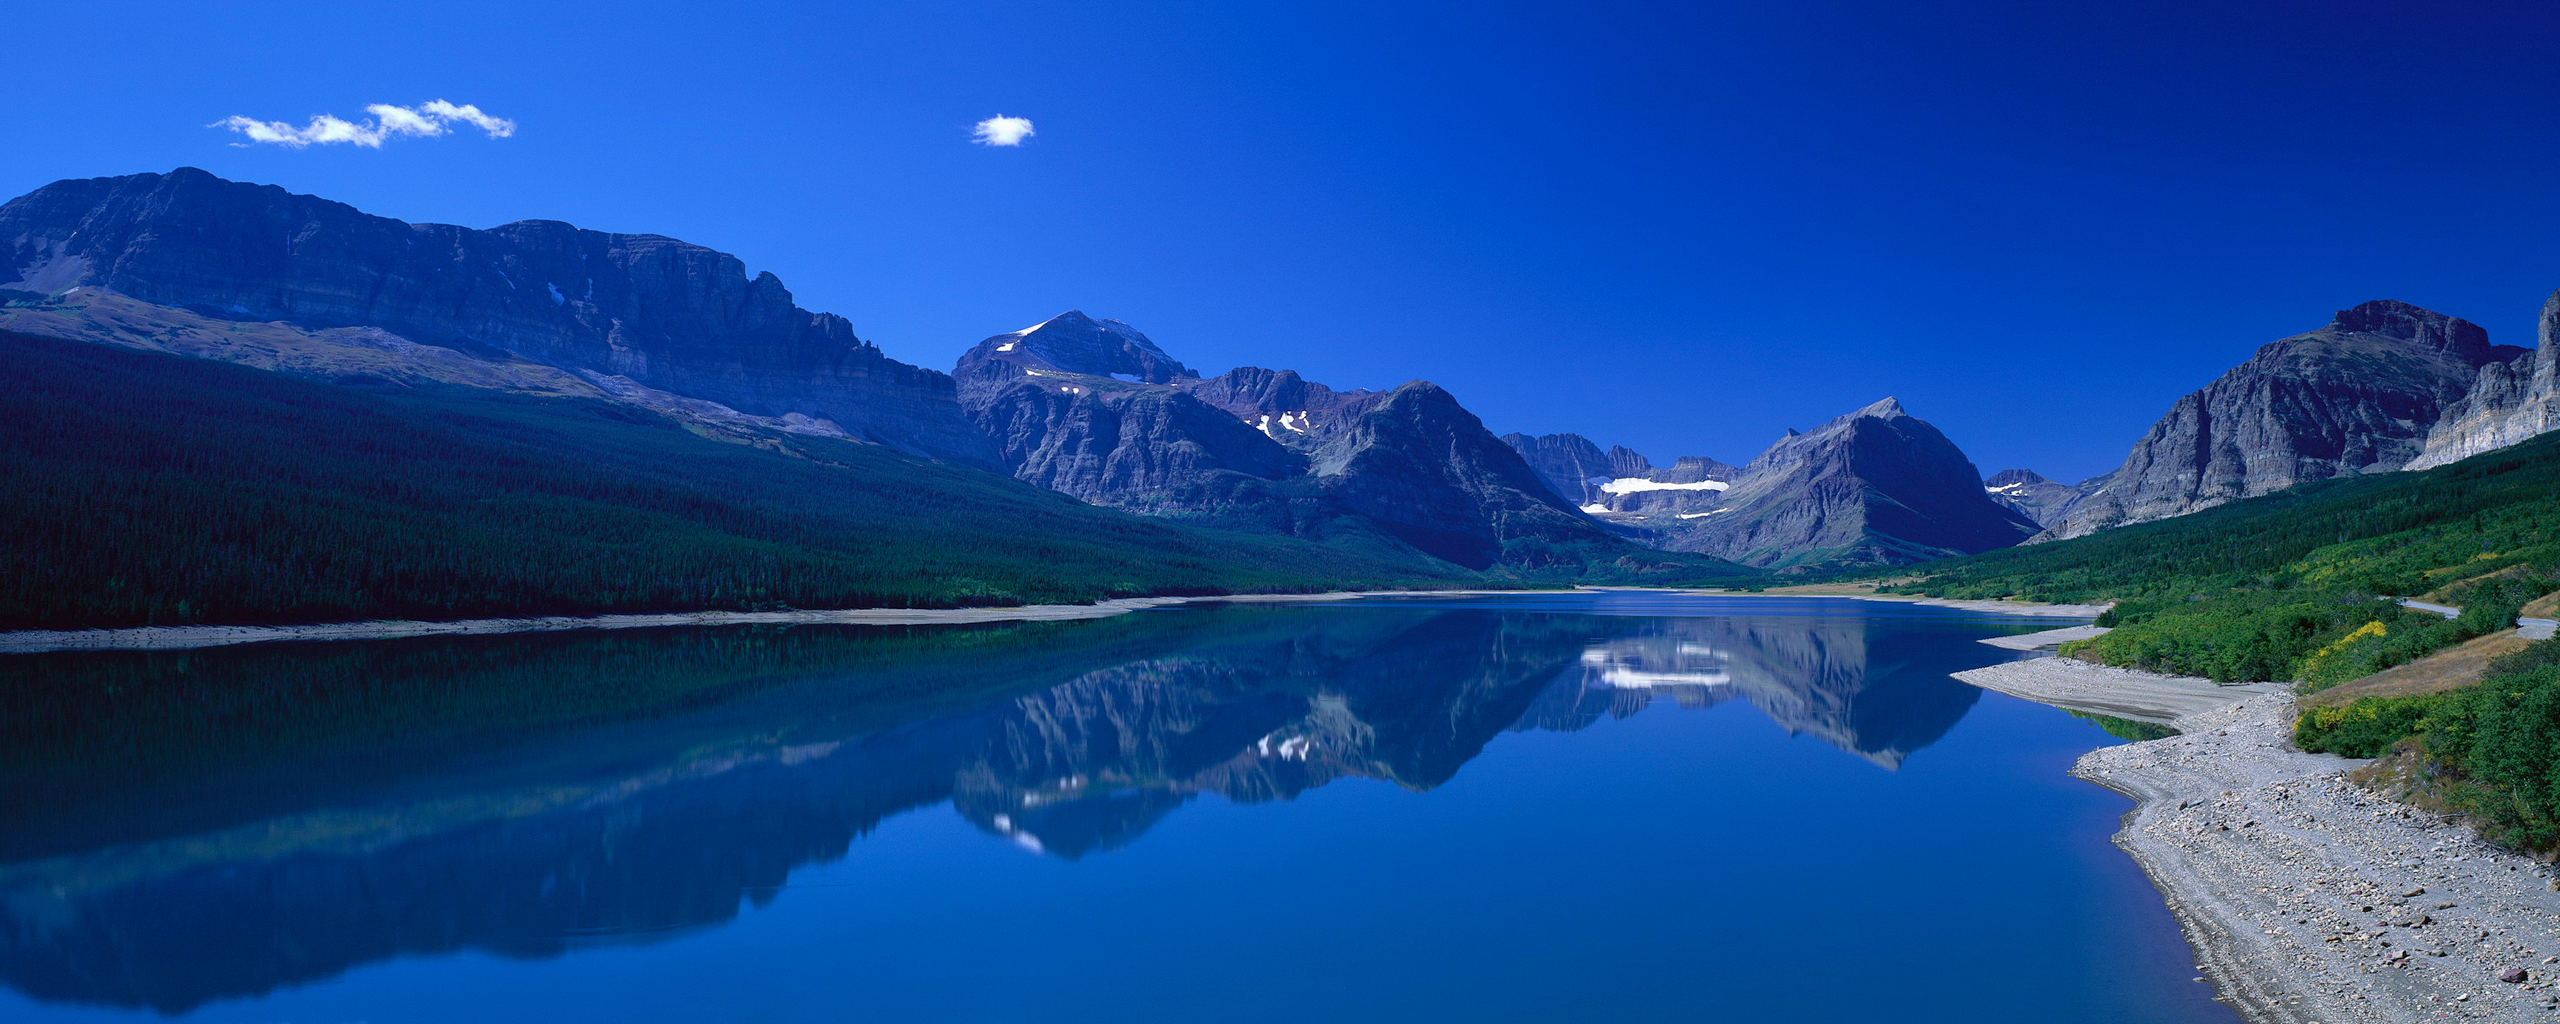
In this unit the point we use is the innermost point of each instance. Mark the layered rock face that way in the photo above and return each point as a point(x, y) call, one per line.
point(2511, 400)
point(1877, 486)
point(1427, 469)
point(2043, 501)
point(641, 309)
point(1104, 414)
point(2360, 395)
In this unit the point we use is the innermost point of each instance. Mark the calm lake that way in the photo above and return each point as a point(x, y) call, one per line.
point(1590, 807)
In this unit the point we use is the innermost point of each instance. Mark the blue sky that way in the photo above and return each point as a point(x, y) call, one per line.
point(1680, 227)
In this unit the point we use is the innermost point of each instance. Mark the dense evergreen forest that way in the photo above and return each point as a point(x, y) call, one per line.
point(150, 489)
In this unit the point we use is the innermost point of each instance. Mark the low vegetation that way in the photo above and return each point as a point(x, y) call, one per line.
point(2492, 750)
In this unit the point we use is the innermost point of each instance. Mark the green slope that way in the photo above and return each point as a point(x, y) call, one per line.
point(150, 489)
point(2284, 586)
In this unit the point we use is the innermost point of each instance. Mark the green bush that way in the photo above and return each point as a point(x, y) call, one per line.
point(2504, 735)
point(2365, 728)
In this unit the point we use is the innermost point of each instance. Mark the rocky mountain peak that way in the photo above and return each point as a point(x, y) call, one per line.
point(2394, 319)
point(1888, 408)
point(2360, 395)
point(1876, 486)
point(1072, 342)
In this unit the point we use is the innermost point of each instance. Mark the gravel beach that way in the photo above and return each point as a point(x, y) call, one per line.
point(2308, 898)
point(2102, 690)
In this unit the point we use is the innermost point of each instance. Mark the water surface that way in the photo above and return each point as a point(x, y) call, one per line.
point(1621, 806)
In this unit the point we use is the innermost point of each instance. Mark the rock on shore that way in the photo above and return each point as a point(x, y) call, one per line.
point(2308, 898)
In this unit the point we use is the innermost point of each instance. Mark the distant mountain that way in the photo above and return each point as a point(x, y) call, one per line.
point(1072, 342)
point(1573, 467)
point(2030, 494)
point(1097, 410)
point(1875, 487)
point(2361, 395)
point(2512, 400)
point(1620, 480)
point(535, 305)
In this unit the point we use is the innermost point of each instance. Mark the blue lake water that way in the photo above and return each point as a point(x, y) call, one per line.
point(1595, 807)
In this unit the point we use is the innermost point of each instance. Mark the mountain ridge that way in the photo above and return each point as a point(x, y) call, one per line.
point(666, 314)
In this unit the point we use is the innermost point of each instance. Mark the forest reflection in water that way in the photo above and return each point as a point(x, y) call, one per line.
point(181, 828)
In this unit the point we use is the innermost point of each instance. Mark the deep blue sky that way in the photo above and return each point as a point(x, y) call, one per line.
point(1680, 227)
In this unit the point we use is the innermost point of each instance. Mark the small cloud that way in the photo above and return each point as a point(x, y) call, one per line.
point(497, 127)
point(425, 120)
point(1001, 131)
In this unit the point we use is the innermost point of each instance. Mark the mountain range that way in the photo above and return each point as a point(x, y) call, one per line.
point(187, 264)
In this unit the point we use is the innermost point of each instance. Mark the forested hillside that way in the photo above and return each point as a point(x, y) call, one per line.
point(151, 489)
point(2288, 586)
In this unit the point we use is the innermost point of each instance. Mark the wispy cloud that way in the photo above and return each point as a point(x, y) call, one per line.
point(1001, 131)
point(426, 120)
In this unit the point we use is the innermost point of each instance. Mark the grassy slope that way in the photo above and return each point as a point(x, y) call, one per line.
point(150, 489)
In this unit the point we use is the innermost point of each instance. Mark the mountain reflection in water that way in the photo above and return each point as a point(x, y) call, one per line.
point(186, 827)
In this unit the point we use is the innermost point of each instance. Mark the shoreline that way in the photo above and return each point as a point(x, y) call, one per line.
point(2107, 690)
point(2307, 898)
point(165, 638)
point(162, 638)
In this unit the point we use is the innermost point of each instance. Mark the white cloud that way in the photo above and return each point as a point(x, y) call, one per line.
point(1001, 131)
point(497, 127)
point(425, 120)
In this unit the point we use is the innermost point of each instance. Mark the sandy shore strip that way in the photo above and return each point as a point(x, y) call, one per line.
point(142, 638)
point(2310, 899)
point(2105, 690)
point(2060, 611)
point(2047, 640)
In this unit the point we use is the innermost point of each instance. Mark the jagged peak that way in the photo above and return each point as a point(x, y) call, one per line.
point(2008, 477)
point(2392, 318)
point(1887, 408)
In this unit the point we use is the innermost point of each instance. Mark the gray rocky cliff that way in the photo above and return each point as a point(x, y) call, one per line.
point(2511, 400)
point(2360, 395)
point(1142, 448)
point(666, 314)
point(1620, 480)
point(1573, 467)
point(1427, 469)
point(1105, 415)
